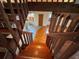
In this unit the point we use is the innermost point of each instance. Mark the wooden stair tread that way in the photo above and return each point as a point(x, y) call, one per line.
point(37, 49)
point(25, 57)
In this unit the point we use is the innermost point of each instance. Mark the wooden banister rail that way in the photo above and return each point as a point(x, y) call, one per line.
point(22, 10)
point(63, 37)
point(73, 36)
point(27, 37)
point(19, 14)
point(12, 22)
point(5, 18)
point(9, 17)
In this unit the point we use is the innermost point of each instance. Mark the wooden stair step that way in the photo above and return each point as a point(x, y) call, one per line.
point(25, 57)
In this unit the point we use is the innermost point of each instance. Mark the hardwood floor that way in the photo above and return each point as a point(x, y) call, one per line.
point(37, 49)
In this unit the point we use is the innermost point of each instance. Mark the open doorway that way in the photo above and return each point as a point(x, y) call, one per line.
point(40, 20)
point(37, 19)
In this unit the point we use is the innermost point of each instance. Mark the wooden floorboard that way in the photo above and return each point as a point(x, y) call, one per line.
point(38, 48)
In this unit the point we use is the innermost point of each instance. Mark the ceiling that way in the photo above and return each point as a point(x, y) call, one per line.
point(70, 1)
point(50, 0)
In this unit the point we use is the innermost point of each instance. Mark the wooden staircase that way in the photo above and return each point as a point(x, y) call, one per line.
point(63, 37)
point(12, 37)
point(38, 48)
point(23, 57)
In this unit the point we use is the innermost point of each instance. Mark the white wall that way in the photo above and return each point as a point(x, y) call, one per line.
point(45, 17)
point(36, 18)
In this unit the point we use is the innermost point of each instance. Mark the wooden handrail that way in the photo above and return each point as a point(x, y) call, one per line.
point(9, 13)
point(67, 35)
point(28, 37)
point(65, 39)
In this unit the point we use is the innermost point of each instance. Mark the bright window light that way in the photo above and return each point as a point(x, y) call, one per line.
point(49, 0)
point(65, 0)
point(71, 0)
point(18, 1)
point(29, 0)
point(34, 0)
point(5, 0)
point(54, 0)
point(39, 0)
point(60, 0)
point(12, 1)
point(44, 0)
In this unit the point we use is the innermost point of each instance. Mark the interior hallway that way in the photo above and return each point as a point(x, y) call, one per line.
point(37, 49)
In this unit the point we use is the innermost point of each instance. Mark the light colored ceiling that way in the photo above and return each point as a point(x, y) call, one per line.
point(51, 0)
point(44, 0)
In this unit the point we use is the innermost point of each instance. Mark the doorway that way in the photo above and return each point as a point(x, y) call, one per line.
point(40, 18)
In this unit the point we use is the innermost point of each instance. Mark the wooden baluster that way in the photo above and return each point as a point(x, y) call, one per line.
point(24, 38)
point(76, 29)
point(60, 44)
point(52, 24)
point(27, 38)
point(22, 10)
point(63, 40)
point(57, 25)
point(9, 26)
point(20, 30)
point(71, 48)
point(19, 13)
point(60, 41)
point(25, 6)
point(31, 37)
point(68, 43)
point(73, 24)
